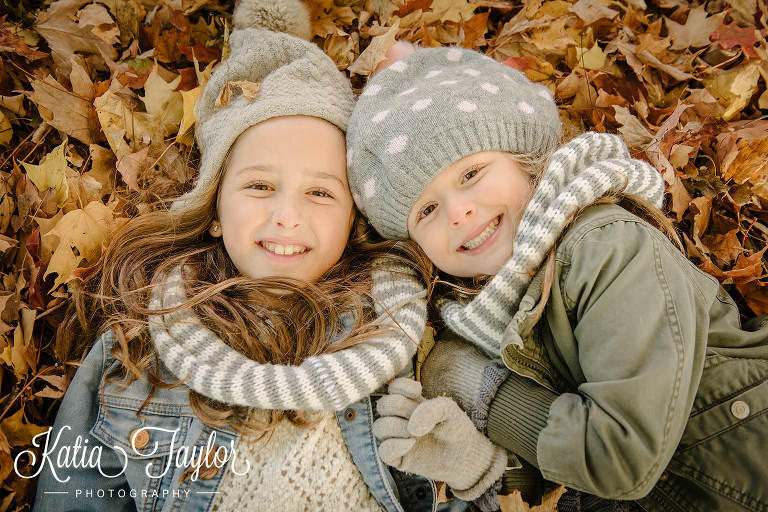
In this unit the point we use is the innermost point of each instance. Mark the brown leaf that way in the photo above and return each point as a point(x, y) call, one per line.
point(697, 29)
point(65, 37)
point(130, 167)
point(202, 53)
point(514, 502)
point(70, 111)
point(475, 28)
point(10, 42)
point(374, 53)
point(591, 10)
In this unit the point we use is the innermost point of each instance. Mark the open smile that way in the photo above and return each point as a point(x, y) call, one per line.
point(284, 250)
point(484, 235)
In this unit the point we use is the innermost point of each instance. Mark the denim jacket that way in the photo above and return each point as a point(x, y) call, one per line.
point(89, 463)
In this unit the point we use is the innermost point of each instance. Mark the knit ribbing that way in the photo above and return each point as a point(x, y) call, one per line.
point(326, 382)
point(580, 172)
point(518, 414)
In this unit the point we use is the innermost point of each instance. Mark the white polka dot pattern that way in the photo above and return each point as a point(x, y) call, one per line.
point(372, 90)
point(380, 116)
point(397, 144)
point(466, 106)
point(493, 89)
point(421, 104)
point(369, 189)
point(398, 66)
point(525, 107)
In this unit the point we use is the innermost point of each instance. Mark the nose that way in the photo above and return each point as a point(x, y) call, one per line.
point(458, 209)
point(287, 211)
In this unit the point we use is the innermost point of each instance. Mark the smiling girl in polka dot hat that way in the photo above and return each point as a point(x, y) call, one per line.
point(594, 349)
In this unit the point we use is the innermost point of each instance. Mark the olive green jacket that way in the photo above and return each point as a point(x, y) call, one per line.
point(648, 389)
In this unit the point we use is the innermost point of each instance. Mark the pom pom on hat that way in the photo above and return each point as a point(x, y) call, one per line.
point(287, 16)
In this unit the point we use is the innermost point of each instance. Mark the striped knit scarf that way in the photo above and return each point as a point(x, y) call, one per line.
point(589, 167)
point(326, 382)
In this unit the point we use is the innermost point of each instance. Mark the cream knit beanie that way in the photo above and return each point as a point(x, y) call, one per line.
point(293, 76)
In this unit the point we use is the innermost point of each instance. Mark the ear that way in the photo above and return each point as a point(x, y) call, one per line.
point(215, 229)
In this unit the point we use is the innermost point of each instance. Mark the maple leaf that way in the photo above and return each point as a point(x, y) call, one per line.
point(697, 29)
point(19, 354)
point(185, 135)
point(475, 28)
point(71, 112)
point(65, 37)
point(410, 6)
point(50, 174)
point(120, 123)
point(83, 231)
point(127, 14)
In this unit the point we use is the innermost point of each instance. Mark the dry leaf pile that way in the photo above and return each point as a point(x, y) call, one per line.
point(96, 123)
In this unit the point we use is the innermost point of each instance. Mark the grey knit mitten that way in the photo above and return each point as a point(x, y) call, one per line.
point(459, 370)
point(436, 439)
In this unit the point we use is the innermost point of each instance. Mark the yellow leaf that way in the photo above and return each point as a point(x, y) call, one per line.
point(119, 123)
point(733, 88)
point(374, 53)
point(594, 58)
point(162, 101)
point(20, 354)
point(6, 130)
point(51, 173)
point(455, 10)
point(185, 135)
point(19, 433)
point(81, 230)
point(636, 135)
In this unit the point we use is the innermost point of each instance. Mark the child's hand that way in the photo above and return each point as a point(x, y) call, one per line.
point(395, 52)
point(435, 439)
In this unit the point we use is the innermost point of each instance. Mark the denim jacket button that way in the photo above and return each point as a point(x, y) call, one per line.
point(664, 476)
point(350, 414)
point(740, 409)
point(421, 494)
point(139, 438)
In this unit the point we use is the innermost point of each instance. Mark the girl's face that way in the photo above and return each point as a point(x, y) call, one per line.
point(284, 203)
point(466, 217)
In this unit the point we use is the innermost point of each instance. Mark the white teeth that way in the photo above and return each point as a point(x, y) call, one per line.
point(286, 250)
point(482, 237)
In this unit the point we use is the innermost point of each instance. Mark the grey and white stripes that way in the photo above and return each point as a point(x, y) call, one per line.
point(580, 172)
point(326, 382)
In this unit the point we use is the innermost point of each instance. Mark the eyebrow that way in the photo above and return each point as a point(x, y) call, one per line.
point(271, 169)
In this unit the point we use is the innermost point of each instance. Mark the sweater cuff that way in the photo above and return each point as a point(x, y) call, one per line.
point(494, 375)
point(518, 414)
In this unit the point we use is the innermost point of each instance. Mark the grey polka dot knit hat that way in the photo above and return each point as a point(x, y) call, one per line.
point(295, 77)
point(429, 110)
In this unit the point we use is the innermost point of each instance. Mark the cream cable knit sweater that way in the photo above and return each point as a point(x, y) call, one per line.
point(296, 470)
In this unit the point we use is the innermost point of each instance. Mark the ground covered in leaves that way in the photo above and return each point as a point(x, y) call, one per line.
point(96, 123)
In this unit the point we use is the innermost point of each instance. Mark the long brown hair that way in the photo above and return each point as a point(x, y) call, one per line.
point(271, 320)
